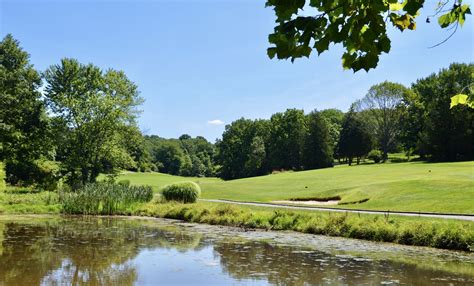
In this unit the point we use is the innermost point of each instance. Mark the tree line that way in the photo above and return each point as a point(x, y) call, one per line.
point(75, 121)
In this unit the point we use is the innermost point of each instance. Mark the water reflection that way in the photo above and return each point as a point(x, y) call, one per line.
point(111, 251)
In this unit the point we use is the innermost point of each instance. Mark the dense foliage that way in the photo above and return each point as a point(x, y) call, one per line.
point(185, 156)
point(94, 111)
point(359, 26)
point(290, 140)
point(444, 133)
point(24, 125)
point(355, 140)
point(381, 107)
point(184, 192)
point(103, 198)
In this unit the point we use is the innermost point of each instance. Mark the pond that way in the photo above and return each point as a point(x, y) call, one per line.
point(132, 251)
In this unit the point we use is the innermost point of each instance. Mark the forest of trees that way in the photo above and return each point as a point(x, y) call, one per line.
point(74, 121)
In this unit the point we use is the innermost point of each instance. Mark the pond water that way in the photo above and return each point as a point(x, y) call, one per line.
point(130, 251)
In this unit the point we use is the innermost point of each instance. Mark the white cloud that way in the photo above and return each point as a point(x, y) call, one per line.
point(215, 122)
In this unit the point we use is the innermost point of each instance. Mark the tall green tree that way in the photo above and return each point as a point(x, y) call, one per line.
point(382, 104)
point(242, 150)
point(256, 157)
point(355, 140)
point(447, 133)
point(285, 144)
point(334, 118)
point(95, 110)
point(317, 148)
point(24, 125)
point(359, 26)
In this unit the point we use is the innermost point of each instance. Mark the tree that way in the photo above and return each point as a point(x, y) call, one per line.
point(287, 131)
point(169, 157)
point(447, 133)
point(333, 118)
point(24, 126)
point(382, 104)
point(317, 149)
point(360, 26)
point(355, 140)
point(95, 110)
point(241, 152)
point(135, 145)
point(256, 156)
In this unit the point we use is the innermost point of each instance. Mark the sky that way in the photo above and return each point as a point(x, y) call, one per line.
point(201, 64)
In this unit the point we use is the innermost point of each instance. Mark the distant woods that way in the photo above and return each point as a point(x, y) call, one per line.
point(74, 121)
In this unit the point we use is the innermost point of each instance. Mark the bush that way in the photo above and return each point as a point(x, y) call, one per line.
point(375, 155)
point(185, 192)
point(42, 174)
point(104, 198)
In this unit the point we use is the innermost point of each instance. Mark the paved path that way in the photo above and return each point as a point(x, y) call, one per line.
point(414, 214)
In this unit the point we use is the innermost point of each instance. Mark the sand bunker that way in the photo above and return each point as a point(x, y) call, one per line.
point(309, 202)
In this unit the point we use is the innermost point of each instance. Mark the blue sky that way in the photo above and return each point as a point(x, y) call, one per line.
point(201, 64)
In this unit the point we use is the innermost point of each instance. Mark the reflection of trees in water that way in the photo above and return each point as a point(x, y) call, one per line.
point(285, 265)
point(81, 251)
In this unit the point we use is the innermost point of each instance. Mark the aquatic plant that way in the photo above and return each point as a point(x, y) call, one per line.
point(104, 198)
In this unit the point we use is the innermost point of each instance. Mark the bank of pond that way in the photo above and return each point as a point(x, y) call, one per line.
point(121, 199)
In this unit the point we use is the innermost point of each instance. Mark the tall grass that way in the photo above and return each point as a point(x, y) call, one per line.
point(185, 192)
point(104, 198)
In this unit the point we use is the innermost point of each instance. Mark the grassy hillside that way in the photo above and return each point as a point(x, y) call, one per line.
point(433, 187)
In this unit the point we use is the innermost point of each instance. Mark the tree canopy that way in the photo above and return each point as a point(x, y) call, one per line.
point(94, 110)
point(24, 125)
point(382, 103)
point(359, 26)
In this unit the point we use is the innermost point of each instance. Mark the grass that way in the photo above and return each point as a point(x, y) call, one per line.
point(21, 201)
point(445, 234)
point(412, 186)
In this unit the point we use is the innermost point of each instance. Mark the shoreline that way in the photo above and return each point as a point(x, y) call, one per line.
point(203, 227)
point(434, 233)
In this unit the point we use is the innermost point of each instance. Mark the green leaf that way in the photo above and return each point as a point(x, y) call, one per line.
point(384, 44)
point(460, 99)
point(412, 6)
point(322, 45)
point(396, 6)
point(403, 22)
point(271, 52)
point(446, 20)
point(348, 59)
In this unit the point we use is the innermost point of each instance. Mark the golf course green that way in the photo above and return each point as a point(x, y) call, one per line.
point(413, 186)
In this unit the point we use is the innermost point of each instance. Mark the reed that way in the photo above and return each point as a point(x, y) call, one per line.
point(104, 198)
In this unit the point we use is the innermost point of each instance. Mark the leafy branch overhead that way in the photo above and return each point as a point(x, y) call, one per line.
point(360, 26)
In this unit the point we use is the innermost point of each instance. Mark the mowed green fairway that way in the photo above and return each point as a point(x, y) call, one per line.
point(415, 186)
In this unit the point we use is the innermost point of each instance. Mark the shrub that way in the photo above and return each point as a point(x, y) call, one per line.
point(104, 198)
point(375, 155)
point(185, 192)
